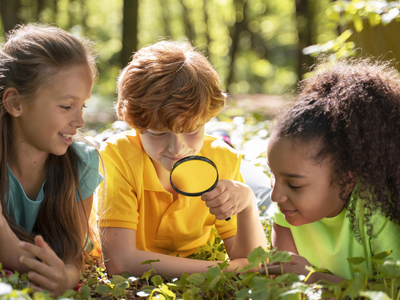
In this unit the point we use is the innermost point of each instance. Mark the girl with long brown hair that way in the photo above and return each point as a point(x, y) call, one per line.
point(47, 176)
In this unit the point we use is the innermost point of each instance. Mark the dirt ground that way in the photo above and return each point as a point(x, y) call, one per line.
point(267, 105)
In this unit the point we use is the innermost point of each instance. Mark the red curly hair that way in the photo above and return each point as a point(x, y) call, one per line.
point(169, 86)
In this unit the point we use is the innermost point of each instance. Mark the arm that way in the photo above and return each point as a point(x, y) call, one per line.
point(10, 254)
point(282, 238)
point(233, 197)
point(121, 255)
point(51, 273)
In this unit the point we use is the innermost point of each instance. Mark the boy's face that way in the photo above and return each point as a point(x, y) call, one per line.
point(166, 148)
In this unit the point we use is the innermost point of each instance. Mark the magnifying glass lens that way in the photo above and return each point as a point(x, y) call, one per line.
point(194, 176)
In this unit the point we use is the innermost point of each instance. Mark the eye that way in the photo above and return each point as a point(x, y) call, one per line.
point(157, 134)
point(66, 107)
point(293, 187)
point(83, 106)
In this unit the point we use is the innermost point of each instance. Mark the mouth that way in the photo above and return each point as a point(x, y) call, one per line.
point(65, 135)
point(288, 212)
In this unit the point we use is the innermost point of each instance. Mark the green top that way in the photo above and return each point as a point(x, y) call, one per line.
point(24, 211)
point(327, 243)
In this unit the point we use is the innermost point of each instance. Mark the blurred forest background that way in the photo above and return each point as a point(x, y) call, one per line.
point(260, 48)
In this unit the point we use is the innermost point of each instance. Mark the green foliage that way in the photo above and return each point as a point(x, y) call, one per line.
point(218, 283)
point(354, 14)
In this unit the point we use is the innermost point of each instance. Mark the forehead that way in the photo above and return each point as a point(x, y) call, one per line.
point(287, 156)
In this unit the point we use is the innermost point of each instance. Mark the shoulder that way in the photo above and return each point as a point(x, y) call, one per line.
point(225, 157)
point(85, 151)
point(219, 151)
point(125, 145)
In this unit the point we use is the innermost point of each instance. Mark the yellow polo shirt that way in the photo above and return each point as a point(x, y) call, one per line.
point(136, 200)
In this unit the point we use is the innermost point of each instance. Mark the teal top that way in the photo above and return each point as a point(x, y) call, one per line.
point(327, 243)
point(24, 211)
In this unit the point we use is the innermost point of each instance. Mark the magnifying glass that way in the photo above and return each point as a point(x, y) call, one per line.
point(193, 176)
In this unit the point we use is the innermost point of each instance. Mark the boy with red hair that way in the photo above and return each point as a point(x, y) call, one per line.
point(166, 94)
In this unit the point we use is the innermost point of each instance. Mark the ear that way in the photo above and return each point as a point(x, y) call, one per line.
point(353, 181)
point(11, 101)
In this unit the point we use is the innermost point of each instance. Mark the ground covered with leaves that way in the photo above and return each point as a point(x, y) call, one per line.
point(217, 283)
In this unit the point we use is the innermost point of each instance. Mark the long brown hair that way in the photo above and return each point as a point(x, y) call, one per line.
point(30, 57)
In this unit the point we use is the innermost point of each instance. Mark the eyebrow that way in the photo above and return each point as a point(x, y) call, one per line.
point(293, 175)
point(66, 97)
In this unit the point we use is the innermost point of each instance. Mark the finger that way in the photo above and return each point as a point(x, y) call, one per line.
point(41, 281)
point(36, 265)
point(44, 253)
point(35, 287)
point(218, 201)
point(218, 190)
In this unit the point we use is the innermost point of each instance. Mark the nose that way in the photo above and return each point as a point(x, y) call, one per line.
point(277, 194)
point(176, 144)
point(77, 121)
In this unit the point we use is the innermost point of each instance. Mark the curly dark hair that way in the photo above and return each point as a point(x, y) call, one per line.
point(351, 111)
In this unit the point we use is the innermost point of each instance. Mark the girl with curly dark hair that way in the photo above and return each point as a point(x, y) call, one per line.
point(335, 157)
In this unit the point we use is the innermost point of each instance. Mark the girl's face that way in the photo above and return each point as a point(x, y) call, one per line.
point(166, 148)
point(302, 188)
point(49, 122)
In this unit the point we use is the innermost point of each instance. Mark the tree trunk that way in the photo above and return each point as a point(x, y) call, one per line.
point(188, 26)
point(40, 5)
point(235, 30)
point(165, 14)
point(129, 30)
point(305, 32)
point(205, 10)
point(9, 13)
point(55, 10)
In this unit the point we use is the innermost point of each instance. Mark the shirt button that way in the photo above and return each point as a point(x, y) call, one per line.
point(163, 197)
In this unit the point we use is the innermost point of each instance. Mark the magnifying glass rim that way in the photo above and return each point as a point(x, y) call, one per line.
point(188, 158)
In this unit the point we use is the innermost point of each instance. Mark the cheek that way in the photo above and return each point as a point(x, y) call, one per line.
point(196, 141)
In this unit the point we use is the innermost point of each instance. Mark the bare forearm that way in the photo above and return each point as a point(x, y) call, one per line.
point(10, 252)
point(249, 234)
point(169, 265)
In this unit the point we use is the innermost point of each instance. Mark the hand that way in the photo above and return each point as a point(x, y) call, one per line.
point(50, 274)
point(297, 265)
point(228, 198)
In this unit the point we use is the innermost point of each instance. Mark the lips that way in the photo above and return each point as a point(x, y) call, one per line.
point(288, 212)
point(65, 135)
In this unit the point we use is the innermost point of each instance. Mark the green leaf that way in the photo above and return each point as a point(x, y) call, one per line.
point(258, 255)
point(92, 281)
point(125, 275)
point(192, 294)
point(117, 279)
point(381, 256)
point(375, 295)
point(281, 256)
point(356, 260)
point(102, 289)
point(197, 278)
point(156, 280)
point(85, 291)
point(355, 287)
